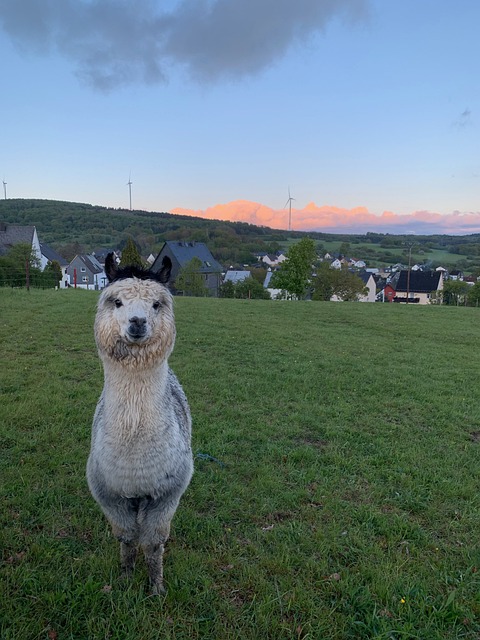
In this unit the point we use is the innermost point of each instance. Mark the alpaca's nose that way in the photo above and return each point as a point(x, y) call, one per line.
point(138, 327)
point(139, 322)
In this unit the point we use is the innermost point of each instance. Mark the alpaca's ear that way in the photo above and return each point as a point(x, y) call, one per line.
point(110, 267)
point(163, 275)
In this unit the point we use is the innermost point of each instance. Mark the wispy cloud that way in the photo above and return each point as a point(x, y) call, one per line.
point(463, 120)
point(117, 42)
point(338, 220)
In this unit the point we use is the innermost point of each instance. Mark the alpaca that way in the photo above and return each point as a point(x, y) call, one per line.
point(140, 461)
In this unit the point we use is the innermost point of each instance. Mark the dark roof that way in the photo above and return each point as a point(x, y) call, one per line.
point(100, 254)
point(364, 276)
point(186, 251)
point(51, 255)
point(420, 281)
point(90, 263)
point(12, 234)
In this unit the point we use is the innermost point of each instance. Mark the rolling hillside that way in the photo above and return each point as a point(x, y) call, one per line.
point(75, 227)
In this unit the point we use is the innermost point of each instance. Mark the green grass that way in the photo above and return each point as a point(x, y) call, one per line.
point(346, 504)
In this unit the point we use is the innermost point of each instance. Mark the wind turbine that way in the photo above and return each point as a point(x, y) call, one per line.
point(129, 184)
point(289, 202)
point(4, 189)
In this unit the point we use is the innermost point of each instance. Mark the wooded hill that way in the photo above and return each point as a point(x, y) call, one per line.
point(73, 228)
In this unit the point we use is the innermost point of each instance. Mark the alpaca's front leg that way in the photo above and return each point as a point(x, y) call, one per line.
point(154, 559)
point(128, 555)
point(123, 520)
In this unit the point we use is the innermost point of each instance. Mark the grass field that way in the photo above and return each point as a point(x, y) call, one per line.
point(341, 500)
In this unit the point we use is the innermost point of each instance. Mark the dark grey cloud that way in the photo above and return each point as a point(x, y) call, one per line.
point(117, 42)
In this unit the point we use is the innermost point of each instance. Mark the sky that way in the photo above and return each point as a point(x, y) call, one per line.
point(367, 112)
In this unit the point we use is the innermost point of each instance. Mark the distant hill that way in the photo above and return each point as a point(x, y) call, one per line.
point(72, 227)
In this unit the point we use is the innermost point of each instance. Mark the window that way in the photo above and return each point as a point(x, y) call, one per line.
point(83, 269)
point(85, 279)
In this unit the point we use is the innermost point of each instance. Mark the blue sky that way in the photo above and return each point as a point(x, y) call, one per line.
point(358, 106)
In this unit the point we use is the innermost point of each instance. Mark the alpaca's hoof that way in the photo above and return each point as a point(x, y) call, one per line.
point(158, 589)
point(126, 574)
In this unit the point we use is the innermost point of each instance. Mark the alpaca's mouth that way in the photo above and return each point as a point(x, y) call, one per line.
point(136, 334)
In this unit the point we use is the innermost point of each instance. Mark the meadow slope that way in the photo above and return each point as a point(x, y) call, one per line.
point(336, 492)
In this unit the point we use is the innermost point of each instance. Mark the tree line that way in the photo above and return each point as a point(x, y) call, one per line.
point(20, 267)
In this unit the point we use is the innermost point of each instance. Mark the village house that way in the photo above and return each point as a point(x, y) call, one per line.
point(49, 255)
point(181, 253)
point(13, 234)
point(236, 276)
point(86, 272)
point(272, 260)
point(266, 284)
point(369, 282)
point(417, 285)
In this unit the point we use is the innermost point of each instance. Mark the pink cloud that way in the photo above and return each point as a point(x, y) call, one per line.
point(338, 220)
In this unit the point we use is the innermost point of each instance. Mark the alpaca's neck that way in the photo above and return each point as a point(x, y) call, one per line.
point(135, 401)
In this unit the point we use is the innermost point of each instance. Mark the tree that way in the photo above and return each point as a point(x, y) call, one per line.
point(190, 281)
point(227, 290)
point(14, 266)
point(259, 273)
point(342, 283)
point(348, 286)
point(454, 292)
point(473, 295)
point(53, 273)
point(131, 255)
point(251, 288)
point(323, 282)
point(295, 273)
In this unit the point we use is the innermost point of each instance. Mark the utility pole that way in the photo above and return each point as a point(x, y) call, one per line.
point(27, 273)
point(409, 245)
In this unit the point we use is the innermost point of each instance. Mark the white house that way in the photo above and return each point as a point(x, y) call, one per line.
point(274, 260)
point(50, 255)
point(12, 234)
point(266, 283)
point(369, 282)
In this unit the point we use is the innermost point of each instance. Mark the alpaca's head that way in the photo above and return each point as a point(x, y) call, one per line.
point(134, 324)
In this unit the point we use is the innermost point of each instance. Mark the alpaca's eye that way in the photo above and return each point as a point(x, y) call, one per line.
point(118, 303)
point(156, 305)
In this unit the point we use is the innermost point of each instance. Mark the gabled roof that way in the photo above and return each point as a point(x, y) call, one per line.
point(12, 234)
point(364, 276)
point(236, 276)
point(96, 263)
point(186, 251)
point(51, 255)
point(268, 277)
point(101, 254)
point(90, 262)
point(420, 281)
